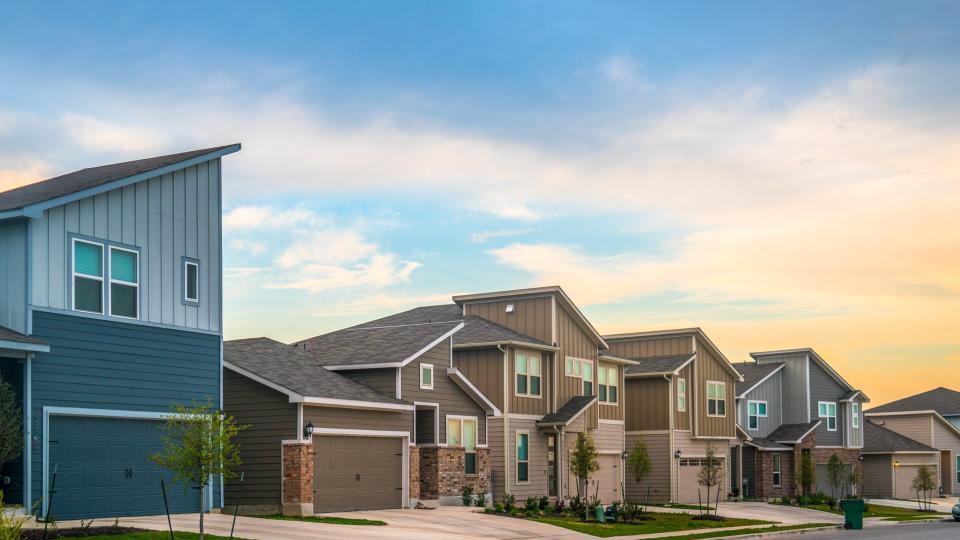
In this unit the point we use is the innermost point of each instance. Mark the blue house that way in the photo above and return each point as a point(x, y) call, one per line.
point(110, 311)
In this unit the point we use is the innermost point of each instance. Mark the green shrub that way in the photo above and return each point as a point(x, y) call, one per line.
point(466, 495)
point(509, 502)
point(498, 508)
point(544, 502)
point(481, 500)
point(532, 503)
point(9, 524)
point(514, 511)
point(786, 500)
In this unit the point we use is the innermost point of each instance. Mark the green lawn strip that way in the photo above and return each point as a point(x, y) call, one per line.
point(331, 520)
point(937, 517)
point(661, 522)
point(678, 506)
point(758, 530)
point(878, 510)
point(151, 535)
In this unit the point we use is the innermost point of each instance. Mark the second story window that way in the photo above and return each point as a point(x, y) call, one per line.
point(716, 398)
point(755, 411)
point(87, 276)
point(426, 376)
point(124, 282)
point(856, 415)
point(527, 375)
point(682, 394)
point(607, 379)
point(586, 371)
point(191, 282)
point(828, 411)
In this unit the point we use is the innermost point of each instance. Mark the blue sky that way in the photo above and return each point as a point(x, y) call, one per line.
point(781, 174)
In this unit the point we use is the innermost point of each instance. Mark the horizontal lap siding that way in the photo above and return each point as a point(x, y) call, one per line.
point(13, 275)
point(647, 404)
point(168, 217)
point(452, 400)
point(537, 454)
point(497, 456)
point(269, 418)
point(945, 438)
point(608, 437)
point(658, 481)
point(917, 427)
point(484, 368)
point(383, 380)
point(338, 418)
point(101, 364)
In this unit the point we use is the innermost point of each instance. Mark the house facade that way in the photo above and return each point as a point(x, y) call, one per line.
point(892, 461)
point(791, 403)
point(111, 310)
point(679, 403)
point(929, 418)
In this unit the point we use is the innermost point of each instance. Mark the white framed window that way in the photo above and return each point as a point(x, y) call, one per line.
point(573, 367)
point(586, 373)
point(523, 457)
point(855, 421)
point(776, 469)
point(527, 374)
point(191, 282)
point(682, 394)
point(87, 276)
point(828, 410)
point(607, 380)
point(124, 283)
point(716, 398)
point(426, 376)
point(462, 431)
point(755, 411)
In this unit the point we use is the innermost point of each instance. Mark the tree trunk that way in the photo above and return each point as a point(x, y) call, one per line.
point(201, 511)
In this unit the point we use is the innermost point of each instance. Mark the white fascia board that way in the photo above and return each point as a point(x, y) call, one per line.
point(509, 343)
point(348, 367)
point(294, 397)
point(356, 404)
point(21, 346)
point(383, 365)
point(433, 344)
point(761, 381)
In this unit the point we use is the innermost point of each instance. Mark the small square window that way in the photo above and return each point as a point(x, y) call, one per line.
point(426, 376)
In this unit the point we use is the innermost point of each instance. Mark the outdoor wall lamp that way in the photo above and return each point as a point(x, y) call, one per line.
point(624, 455)
point(308, 430)
point(677, 454)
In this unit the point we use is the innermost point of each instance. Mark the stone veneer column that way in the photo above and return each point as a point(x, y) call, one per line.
point(298, 459)
point(414, 473)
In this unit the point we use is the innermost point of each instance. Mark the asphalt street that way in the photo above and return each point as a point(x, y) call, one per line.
point(912, 531)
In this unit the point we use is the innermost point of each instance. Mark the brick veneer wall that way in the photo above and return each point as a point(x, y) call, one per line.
point(790, 462)
point(765, 487)
point(298, 478)
point(442, 473)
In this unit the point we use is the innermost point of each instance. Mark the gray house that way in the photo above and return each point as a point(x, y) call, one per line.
point(109, 313)
point(792, 402)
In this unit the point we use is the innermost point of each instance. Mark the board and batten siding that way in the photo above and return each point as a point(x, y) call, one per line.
point(709, 367)
point(168, 217)
point(768, 391)
point(854, 434)
point(647, 404)
point(823, 387)
point(611, 411)
point(104, 364)
point(647, 347)
point(13, 275)
point(270, 419)
point(682, 418)
point(530, 316)
point(525, 404)
point(796, 408)
point(452, 400)
point(484, 368)
point(575, 342)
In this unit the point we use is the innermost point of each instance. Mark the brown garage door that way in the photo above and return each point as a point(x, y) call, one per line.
point(357, 473)
point(689, 490)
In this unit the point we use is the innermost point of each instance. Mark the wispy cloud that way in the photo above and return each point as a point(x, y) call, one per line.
point(485, 236)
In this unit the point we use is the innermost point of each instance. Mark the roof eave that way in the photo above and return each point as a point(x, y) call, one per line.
point(761, 381)
point(22, 346)
point(508, 342)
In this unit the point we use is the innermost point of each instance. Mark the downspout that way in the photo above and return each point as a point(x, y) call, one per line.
point(506, 424)
point(671, 419)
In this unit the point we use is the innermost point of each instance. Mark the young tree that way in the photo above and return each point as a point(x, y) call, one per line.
point(638, 463)
point(711, 470)
point(836, 474)
point(583, 461)
point(198, 446)
point(11, 425)
point(923, 483)
point(808, 473)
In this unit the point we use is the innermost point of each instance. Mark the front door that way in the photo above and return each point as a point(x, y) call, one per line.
point(552, 465)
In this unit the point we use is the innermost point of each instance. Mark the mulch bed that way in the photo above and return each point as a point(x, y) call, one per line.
point(37, 534)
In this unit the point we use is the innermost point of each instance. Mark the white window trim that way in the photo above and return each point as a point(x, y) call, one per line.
point(463, 420)
point(420, 375)
point(186, 279)
point(721, 384)
point(516, 457)
point(827, 416)
point(855, 421)
point(74, 274)
point(777, 470)
point(616, 384)
point(682, 405)
point(756, 402)
point(528, 375)
point(111, 281)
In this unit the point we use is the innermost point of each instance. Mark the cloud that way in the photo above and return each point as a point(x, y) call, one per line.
point(99, 135)
point(485, 236)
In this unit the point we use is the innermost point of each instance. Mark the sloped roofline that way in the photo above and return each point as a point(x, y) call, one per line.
point(648, 375)
point(411, 358)
point(35, 210)
point(461, 299)
point(758, 383)
point(817, 358)
point(507, 342)
point(814, 426)
point(614, 359)
point(695, 331)
point(471, 390)
point(949, 425)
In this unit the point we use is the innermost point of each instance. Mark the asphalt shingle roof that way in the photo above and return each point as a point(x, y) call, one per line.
point(768, 444)
point(569, 411)
point(753, 373)
point(374, 344)
point(792, 432)
point(90, 177)
point(880, 440)
point(7, 334)
point(657, 364)
point(943, 400)
point(297, 371)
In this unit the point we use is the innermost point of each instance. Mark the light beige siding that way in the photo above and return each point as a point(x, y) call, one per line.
point(537, 452)
point(946, 439)
point(686, 481)
point(918, 427)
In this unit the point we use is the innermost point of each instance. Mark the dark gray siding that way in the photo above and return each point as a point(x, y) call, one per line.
point(270, 419)
point(384, 380)
point(877, 476)
point(769, 391)
point(13, 275)
point(796, 407)
point(338, 418)
point(749, 471)
point(824, 388)
point(102, 364)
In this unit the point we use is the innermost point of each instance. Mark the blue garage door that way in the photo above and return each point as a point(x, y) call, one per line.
point(104, 469)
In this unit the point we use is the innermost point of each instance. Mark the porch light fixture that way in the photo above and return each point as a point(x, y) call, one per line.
point(509, 308)
point(308, 430)
point(677, 454)
point(624, 455)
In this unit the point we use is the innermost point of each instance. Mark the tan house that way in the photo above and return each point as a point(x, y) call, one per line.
point(679, 402)
point(891, 462)
point(930, 418)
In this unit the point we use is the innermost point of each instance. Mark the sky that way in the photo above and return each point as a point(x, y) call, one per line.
point(779, 174)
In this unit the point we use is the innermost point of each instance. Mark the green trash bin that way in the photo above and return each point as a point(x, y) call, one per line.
point(853, 513)
point(601, 514)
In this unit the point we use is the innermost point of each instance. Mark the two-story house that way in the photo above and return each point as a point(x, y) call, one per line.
point(933, 419)
point(792, 402)
point(679, 402)
point(111, 308)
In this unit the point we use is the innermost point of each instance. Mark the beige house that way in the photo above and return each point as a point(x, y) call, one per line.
point(679, 402)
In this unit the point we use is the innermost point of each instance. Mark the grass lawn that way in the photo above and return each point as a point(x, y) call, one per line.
point(661, 522)
point(330, 520)
point(758, 530)
point(152, 535)
point(677, 506)
point(877, 510)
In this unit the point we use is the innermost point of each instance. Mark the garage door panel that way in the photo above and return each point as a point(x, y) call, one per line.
point(354, 473)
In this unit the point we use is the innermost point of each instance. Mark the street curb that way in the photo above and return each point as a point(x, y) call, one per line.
point(772, 534)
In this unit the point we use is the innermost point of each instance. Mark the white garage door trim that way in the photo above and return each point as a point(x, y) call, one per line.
point(49, 411)
point(405, 444)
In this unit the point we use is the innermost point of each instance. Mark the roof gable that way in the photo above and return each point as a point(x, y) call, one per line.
point(754, 375)
point(696, 332)
point(880, 440)
point(943, 400)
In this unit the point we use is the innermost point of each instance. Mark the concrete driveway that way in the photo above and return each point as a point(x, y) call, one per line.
point(437, 524)
point(788, 515)
point(940, 505)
